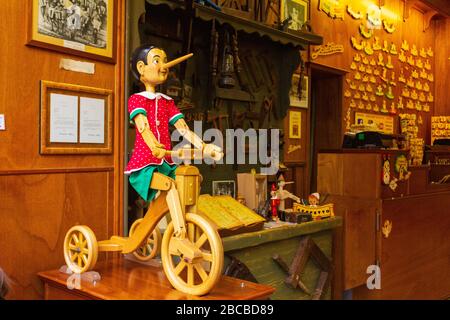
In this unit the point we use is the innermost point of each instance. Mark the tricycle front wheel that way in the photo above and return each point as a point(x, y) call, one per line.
point(198, 277)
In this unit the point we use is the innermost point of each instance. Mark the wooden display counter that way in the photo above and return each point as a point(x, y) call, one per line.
point(123, 279)
point(405, 231)
point(256, 250)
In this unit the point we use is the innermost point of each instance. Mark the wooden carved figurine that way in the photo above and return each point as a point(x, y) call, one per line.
point(191, 249)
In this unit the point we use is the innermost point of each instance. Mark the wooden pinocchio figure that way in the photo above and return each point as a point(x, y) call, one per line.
point(274, 202)
point(153, 113)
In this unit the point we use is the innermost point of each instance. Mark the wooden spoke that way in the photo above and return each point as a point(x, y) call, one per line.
point(207, 256)
point(180, 267)
point(201, 241)
point(72, 247)
point(190, 275)
point(198, 267)
point(75, 238)
point(85, 259)
point(79, 261)
point(85, 250)
point(73, 257)
point(191, 232)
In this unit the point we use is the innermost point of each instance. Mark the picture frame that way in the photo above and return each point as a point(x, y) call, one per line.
point(83, 28)
point(296, 99)
point(224, 188)
point(75, 119)
point(297, 10)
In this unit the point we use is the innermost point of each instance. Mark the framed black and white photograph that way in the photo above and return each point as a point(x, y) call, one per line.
point(298, 94)
point(80, 27)
point(224, 188)
point(296, 11)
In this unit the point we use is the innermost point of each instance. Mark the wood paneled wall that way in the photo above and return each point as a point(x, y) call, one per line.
point(442, 44)
point(42, 196)
point(437, 36)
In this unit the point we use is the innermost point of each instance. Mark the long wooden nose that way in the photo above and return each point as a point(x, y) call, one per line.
point(172, 63)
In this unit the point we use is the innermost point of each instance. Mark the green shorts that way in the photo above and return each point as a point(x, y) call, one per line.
point(140, 180)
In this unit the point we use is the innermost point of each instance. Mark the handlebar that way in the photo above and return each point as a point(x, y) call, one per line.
point(194, 154)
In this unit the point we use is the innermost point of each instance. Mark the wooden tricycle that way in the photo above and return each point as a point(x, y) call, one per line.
point(191, 249)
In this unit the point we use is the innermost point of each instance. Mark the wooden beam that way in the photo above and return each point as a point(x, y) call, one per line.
point(427, 19)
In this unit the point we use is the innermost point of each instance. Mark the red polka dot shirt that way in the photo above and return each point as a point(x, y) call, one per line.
point(161, 112)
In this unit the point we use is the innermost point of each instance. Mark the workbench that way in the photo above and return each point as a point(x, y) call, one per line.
point(255, 250)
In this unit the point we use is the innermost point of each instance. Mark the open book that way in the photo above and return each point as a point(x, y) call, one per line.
point(228, 214)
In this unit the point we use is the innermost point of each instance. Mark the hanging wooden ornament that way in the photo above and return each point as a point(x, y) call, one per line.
point(355, 44)
point(369, 88)
point(360, 105)
point(376, 45)
point(414, 95)
point(365, 61)
point(423, 53)
point(362, 88)
point(368, 107)
point(418, 106)
point(411, 61)
point(419, 64)
point(427, 65)
point(355, 15)
point(430, 77)
point(353, 66)
point(400, 103)
point(385, 46)
point(365, 79)
point(393, 49)
point(365, 97)
point(410, 104)
point(384, 108)
point(369, 70)
point(430, 52)
point(372, 79)
point(384, 75)
point(401, 77)
point(414, 51)
point(388, 26)
point(393, 109)
point(352, 104)
point(423, 74)
point(389, 94)
point(373, 62)
point(405, 45)
point(365, 32)
point(352, 85)
point(362, 68)
point(426, 87)
point(422, 97)
point(410, 82)
point(368, 49)
point(389, 64)
point(430, 97)
point(374, 17)
point(402, 56)
point(357, 57)
point(376, 108)
point(347, 93)
point(357, 76)
point(415, 74)
point(379, 92)
point(380, 59)
point(419, 85)
point(357, 96)
point(405, 92)
point(426, 107)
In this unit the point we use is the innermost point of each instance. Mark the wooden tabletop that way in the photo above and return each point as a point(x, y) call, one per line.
point(124, 279)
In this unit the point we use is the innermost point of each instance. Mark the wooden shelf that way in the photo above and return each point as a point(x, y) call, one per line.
point(294, 38)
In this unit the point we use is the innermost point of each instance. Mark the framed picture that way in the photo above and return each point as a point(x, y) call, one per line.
point(224, 188)
point(296, 10)
point(296, 99)
point(75, 119)
point(80, 27)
